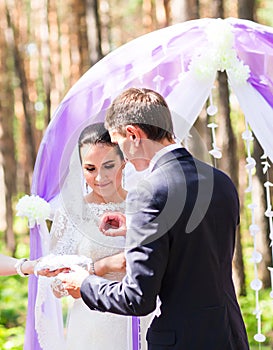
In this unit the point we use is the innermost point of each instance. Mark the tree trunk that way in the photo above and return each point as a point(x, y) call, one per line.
point(95, 30)
point(29, 114)
point(7, 147)
point(149, 16)
point(44, 52)
point(217, 7)
point(60, 65)
point(191, 9)
point(229, 164)
point(167, 9)
point(246, 9)
point(80, 10)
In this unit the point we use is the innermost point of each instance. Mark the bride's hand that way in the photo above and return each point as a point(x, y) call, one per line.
point(113, 224)
point(29, 267)
point(52, 265)
point(70, 283)
point(52, 273)
point(58, 288)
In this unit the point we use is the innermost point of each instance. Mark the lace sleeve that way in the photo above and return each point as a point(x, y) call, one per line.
point(65, 237)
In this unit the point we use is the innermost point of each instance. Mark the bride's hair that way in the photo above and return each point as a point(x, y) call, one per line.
point(94, 134)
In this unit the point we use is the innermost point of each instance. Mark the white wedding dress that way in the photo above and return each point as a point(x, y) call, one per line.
point(87, 329)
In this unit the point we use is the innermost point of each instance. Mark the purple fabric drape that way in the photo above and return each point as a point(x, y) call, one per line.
point(255, 48)
point(154, 60)
point(31, 340)
point(135, 333)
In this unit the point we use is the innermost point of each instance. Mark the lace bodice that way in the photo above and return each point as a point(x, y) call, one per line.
point(79, 233)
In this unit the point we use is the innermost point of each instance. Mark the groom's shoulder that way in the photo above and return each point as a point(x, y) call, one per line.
point(171, 157)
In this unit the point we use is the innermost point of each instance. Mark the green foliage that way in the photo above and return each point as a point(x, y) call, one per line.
point(265, 12)
point(13, 306)
point(247, 304)
point(13, 302)
point(11, 338)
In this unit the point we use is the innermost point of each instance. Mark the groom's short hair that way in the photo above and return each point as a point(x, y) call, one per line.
point(142, 107)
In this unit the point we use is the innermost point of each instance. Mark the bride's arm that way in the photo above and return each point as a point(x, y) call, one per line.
point(9, 266)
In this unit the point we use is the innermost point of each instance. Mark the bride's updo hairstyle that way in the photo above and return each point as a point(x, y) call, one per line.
point(96, 134)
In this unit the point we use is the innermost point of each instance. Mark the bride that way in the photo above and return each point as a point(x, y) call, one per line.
point(75, 232)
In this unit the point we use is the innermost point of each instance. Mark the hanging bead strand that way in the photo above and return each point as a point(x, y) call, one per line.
point(212, 110)
point(256, 284)
point(268, 212)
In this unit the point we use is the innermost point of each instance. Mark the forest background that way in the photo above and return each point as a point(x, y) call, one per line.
point(45, 47)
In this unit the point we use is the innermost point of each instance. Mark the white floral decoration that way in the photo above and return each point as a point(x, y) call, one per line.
point(35, 208)
point(219, 55)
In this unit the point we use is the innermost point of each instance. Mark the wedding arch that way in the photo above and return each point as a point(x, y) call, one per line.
point(181, 63)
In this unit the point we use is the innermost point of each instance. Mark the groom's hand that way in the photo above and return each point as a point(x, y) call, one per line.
point(113, 224)
point(113, 263)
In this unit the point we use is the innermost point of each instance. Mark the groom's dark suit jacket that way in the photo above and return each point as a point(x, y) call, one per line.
point(181, 232)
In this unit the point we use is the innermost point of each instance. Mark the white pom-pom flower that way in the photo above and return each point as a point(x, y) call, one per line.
point(35, 208)
point(219, 55)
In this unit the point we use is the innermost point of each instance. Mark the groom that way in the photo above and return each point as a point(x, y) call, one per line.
point(181, 222)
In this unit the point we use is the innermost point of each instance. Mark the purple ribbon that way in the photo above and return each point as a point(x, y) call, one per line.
point(31, 339)
point(136, 332)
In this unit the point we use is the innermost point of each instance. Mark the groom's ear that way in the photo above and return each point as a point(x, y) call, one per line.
point(134, 133)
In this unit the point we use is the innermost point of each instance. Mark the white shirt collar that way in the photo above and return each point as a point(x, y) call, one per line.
point(161, 153)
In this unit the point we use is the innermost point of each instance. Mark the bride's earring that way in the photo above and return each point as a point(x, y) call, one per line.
point(86, 188)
